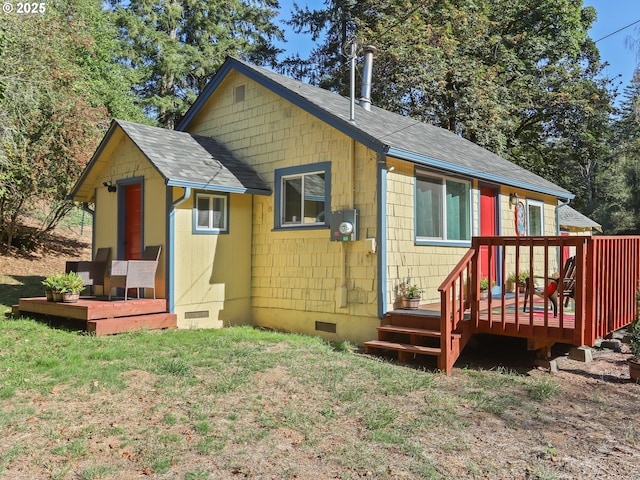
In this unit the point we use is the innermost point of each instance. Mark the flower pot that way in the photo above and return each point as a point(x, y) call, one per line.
point(484, 294)
point(411, 303)
point(634, 370)
point(57, 296)
point(70, 297)
point(49, 295)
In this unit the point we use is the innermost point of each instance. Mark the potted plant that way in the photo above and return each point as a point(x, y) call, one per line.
point(411, 295)
point(523, 277)
point(71, 286)
point(484, 288)
point(510, 286)
point(51, 284)
point(634, 344)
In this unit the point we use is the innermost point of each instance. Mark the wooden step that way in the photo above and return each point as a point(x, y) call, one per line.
point(400, 347)
point(108, 326)
point(422, 319)
point(420, 332)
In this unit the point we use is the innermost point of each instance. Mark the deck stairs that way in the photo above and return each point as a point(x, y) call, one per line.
point(407, 334)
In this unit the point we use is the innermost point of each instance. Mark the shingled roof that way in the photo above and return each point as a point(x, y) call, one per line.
point(388, 133)
point(187, 160)
point(570, 219)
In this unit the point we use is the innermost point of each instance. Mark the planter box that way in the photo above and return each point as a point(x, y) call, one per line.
point(70, 297)
point(410, 303)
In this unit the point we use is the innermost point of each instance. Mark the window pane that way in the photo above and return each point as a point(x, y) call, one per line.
point(535, 219)
point(219, 213)
point(203, 212)
point(292, 201)
point(458, 214)
point(428, 207)
point(314, 190)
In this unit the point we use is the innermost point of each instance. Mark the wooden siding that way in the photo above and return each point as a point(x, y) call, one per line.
point(125, 161)
point(300, 277)
point(212, 278)
point(429, 265)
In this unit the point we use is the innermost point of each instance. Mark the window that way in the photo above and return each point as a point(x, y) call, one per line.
point(239, 93)
point(211, 213)
point(535, 217)
point(302, 196)
point(443, 209)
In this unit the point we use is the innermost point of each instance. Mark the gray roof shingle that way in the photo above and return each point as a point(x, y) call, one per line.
point(193, 160)
point(387, 132)
point(570, 217)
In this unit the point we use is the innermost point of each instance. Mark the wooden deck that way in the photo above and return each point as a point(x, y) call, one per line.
point(104, 317)
point(603, 300)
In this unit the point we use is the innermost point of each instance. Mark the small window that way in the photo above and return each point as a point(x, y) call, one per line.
point(535, 217)
point(302, 196)
point(240, 93)
point(211, 213)
point(443, 209)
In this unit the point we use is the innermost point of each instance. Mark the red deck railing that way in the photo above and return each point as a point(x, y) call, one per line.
point(607, 278)
point(454, 301)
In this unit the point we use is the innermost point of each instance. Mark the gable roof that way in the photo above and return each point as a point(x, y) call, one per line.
point(186, 160)
point(571, 219)
point(386, 132)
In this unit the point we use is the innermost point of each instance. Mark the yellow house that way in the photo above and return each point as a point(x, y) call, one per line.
point(282, 205)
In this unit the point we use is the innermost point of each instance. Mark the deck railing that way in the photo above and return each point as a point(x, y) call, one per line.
point(607, 278)
point(613, 273)
point(454, 301)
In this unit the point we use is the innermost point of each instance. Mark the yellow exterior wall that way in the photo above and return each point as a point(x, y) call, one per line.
point(300, 277)
point(212, 274)
point(428, 265)
point(127, 162)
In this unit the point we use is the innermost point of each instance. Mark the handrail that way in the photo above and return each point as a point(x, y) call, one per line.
point(454, 300)
point(606, 280)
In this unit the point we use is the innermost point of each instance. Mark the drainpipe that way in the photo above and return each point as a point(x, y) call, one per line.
point(561, 204)
point(365, 100)
point(170, 242)
point(381, 234)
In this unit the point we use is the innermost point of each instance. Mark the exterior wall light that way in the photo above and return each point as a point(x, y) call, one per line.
point(513, 199)
point(110, 186)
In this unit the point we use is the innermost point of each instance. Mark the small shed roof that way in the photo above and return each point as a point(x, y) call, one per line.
point(186, 160)
point(386, 132)
point(571, 219)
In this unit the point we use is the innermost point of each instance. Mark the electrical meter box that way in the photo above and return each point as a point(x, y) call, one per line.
point(344, 225)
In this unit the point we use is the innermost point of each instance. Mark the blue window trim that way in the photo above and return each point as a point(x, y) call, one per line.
point(435, 241)
point(301, 170)
point(213, 231)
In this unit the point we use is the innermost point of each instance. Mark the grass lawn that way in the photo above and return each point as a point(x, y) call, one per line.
point(244, 403)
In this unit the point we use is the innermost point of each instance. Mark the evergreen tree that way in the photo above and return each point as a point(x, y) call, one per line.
point(175, 46)
point(519, 77)
point(618, 208)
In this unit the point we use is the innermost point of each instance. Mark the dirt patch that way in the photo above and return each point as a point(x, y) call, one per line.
point(50, 256)
point(588, 429)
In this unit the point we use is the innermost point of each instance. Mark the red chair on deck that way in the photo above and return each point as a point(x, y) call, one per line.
point(550, 291)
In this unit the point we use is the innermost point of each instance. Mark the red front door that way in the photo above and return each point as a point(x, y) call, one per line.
point(488, 227)
point(133, 222)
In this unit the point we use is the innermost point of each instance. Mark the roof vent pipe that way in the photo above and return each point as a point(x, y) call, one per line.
point(365, 100)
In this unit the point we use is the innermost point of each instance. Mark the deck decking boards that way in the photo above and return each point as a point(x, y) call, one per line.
point(104, 317)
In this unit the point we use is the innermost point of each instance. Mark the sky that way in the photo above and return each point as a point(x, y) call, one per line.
point(612, 15)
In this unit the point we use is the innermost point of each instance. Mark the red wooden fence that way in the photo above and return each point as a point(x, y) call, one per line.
point(607, 279)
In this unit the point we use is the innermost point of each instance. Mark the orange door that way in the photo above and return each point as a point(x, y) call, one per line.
point(133, 222)
point(488, 227)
